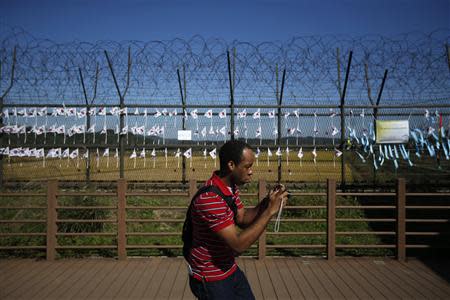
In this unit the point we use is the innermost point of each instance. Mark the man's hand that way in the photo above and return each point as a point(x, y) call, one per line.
point(276, 196)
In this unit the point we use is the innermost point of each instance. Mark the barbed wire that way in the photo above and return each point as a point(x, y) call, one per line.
point(48, 71)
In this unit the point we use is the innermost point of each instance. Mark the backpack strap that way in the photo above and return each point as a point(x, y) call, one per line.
point(186, 235)
point(228, 199)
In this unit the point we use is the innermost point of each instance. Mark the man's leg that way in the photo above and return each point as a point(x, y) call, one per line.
point(235, 286)
point(242, 288)
point(198, 288)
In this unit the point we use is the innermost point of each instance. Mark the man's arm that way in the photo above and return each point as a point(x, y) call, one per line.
point(247, 216)
point(242, 241)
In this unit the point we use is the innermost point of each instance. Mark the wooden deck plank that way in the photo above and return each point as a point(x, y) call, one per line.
point(325, 280)
point(158, 278)
point(14, 276)
point(9, 265)
point(120, 281)
point(89, 272)
point(443, 266)
point(378, 286)
point(427, 267)
point(43, 271)
point(383, 284)
point(264, 280)
point(139, 266)
point(187, 294)
point(51, 281)
point(107, 268)
point(146, 277)
point(179, 282)
point(424, 270)
point(303, 284)
point(412, 280)
point(57, 291)
point(167, 282)
point(419, 265)
point(345, 291)
point(271, 278)
point(14, 270)
point(241, 264)
point(252, 277)
point(289, 282)
point(360, 280)
point(349, 283)
point(305, 268)
point(275, 277)
point(23, 272)
point(108, 281)
point(387, 269)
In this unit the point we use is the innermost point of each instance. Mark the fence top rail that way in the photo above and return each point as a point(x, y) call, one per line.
point(439, 194)
point(21, 194)
point(365, 194)
point(152, 194)
point(111, 191)
point(308, 194)
point(99, 194)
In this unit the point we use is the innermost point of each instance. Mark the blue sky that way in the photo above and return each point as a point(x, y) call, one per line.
point(252, 20)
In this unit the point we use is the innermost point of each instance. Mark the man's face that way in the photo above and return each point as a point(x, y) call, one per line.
point(242, 173)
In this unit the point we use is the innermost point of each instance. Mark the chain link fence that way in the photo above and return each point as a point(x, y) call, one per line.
point(316, 98)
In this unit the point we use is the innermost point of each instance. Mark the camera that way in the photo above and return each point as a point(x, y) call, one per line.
point(280, 186)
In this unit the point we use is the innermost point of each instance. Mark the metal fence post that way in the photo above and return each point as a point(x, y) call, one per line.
point(279, 135)
point(88, 125)
point(122, 106)
point(401, 222)
point(342, 108)
point(331, 220)
point(121, 219)
point(183, 120)
point(262, 191)
point(231, 82)
point(375, 117)
point(52, 190)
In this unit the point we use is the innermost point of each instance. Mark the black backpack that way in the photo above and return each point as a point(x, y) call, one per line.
point(187, 226)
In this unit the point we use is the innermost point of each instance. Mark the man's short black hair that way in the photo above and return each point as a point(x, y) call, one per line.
point(231, 151)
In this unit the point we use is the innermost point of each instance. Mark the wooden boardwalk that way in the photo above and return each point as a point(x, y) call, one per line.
point(271, 278)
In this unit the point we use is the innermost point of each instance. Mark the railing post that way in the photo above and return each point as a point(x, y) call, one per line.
point(121, 219)
point(52, 190)
point(192, 188)
point(401, 216)
point(331, 220)
point(262, 191)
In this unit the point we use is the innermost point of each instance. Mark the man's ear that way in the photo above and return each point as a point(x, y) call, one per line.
point(231, 165)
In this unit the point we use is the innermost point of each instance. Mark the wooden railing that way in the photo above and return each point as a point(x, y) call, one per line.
point(400, 220)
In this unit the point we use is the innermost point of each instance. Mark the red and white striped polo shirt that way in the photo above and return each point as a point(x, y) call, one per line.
point(210, 256)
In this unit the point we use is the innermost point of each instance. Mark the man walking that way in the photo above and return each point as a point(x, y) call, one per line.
point(215, 214)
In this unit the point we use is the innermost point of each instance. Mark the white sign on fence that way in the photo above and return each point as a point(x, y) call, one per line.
point(185, 135)
point(392, 131)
